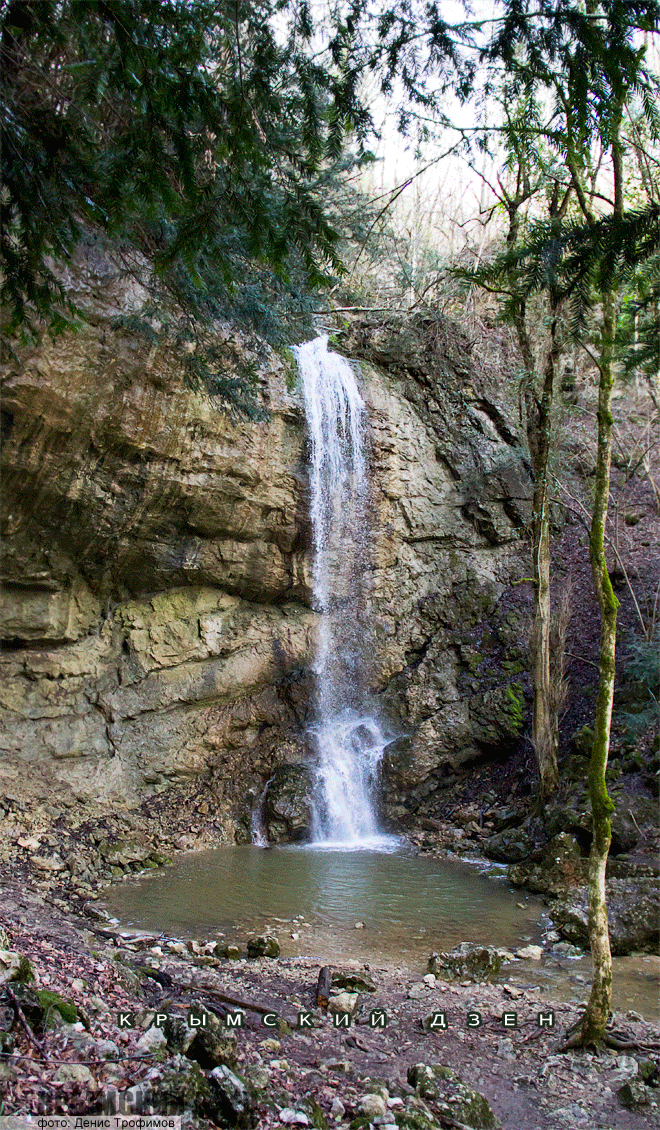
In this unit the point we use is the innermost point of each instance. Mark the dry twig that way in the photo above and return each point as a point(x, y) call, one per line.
point(21, 1016)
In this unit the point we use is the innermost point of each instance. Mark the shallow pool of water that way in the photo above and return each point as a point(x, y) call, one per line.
point(408, 905)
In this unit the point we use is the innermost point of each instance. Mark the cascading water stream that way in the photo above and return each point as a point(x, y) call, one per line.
point(346, 734)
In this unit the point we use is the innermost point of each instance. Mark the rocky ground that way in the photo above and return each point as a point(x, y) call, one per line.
point(66, 1053)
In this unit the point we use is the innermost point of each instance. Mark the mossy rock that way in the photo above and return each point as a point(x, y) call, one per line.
point(352, 982)
point(181, 1086)
point(49, 1001)
point(441, 1085)
point(230, 953)
point(478, 963)
point(231, 1104)
point(45, 1009)
point(265, 946)
point(314, 1113)
point(411, 1120)
point(515, 707)
point(24, 975)
point(582, 741)
point(509, 846)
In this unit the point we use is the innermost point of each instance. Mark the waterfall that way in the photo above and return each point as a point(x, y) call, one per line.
point(346, 735)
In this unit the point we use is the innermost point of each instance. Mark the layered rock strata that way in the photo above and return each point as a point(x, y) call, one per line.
point(156, 605)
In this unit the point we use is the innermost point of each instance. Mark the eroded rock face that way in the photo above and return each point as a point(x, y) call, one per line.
point(156, 604)
point(451, 490)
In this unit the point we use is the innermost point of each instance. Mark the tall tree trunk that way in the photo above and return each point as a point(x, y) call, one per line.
point(538, 414)
point(591, 1028)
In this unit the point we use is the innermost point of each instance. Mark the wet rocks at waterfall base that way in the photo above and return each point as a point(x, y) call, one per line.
point(287, 804)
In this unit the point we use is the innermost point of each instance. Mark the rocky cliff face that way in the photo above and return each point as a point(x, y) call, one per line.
point(155, 605)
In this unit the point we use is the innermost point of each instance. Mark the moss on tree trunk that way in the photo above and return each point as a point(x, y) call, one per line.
point(590, 1030)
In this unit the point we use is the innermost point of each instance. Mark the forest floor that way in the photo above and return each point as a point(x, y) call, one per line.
point(321, 1076)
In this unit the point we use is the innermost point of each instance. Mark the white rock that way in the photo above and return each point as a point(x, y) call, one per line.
point(626, 1064)
point(344, 1002)
point(153, 1038)
point(373, 1106)
point(430, 979)
point(9, 963)
point(271, 1046)
point(337, 1110)
point(291, 1117)
point(74, 1073)
point(533, 952)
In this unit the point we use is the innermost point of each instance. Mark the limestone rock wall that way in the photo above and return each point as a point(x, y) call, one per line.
point(155, 602)
point(451, 500)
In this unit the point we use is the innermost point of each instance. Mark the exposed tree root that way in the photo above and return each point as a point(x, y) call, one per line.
point(616, 1039)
